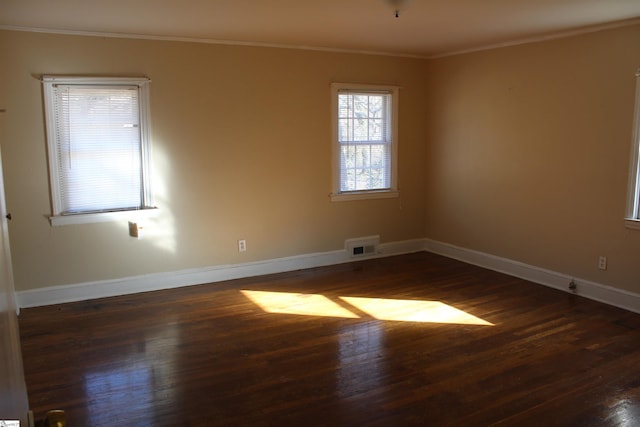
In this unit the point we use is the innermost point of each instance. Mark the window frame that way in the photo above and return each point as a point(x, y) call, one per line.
point(58, 217)
point(632, 216)
point(337, 194)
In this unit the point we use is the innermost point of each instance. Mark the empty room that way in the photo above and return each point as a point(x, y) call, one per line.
point(341, 213)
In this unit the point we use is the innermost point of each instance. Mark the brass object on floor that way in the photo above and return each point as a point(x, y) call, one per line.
point(55, 418)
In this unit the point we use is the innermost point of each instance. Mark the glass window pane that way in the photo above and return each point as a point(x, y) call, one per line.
point(361, 106)
point(375, 130)
point(345, 130)
point(361, 130)
point(97, 146)
point(375, 106)
point(364, 136)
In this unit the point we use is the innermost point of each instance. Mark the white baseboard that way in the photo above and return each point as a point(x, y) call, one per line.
point(152, 282)
point(595, 291)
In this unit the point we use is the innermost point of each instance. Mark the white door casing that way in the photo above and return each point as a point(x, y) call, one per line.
point(13, 391)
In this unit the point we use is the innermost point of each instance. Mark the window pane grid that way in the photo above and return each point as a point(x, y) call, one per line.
point(364, 167)
point(364, 139)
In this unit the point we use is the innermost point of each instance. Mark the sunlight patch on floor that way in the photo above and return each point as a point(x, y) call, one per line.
point(293, 303)
point(379, 308)
point(414, 311)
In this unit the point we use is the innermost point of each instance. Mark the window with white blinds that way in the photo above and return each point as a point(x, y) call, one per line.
point(97, 132)
point(632, 217)
point(365, 142)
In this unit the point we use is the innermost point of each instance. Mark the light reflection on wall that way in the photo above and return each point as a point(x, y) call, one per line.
point(161, 229)
point(127, 389)
point(158, 227)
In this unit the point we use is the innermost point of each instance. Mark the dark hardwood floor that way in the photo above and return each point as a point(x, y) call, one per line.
point(208, 355)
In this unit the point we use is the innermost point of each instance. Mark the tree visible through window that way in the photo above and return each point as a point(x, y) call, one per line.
point(365, 135)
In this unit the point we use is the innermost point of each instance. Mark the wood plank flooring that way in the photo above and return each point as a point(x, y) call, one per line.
point(212, 355)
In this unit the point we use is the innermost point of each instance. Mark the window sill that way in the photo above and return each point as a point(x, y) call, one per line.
point(632, 223)
point(89, 218)
point(364, 195)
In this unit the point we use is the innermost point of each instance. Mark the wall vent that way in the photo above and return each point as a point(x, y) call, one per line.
point(362, 247)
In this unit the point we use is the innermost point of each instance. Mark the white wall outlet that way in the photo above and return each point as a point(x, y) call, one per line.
point(242, 245)
point(602, 263)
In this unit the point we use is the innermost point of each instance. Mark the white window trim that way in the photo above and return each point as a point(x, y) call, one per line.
point(89, 218)
point(337, 195)
point(632, 216)
point(57, 218)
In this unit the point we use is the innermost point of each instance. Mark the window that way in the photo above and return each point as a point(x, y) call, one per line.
point(633, 199)
point(98, 140)
point(365, 141)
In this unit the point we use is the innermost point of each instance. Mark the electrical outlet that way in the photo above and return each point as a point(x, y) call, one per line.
point(242, 245)
point(602, 263)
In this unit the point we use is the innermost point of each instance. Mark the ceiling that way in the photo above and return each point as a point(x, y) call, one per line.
point(424, 28)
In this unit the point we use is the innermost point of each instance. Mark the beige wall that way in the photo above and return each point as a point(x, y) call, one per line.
point(523, 154)
point(242, 149)
point(528, 154)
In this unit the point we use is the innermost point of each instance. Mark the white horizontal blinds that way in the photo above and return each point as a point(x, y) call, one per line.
point(633, 202)
point(99, 148)
point(364, 137)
